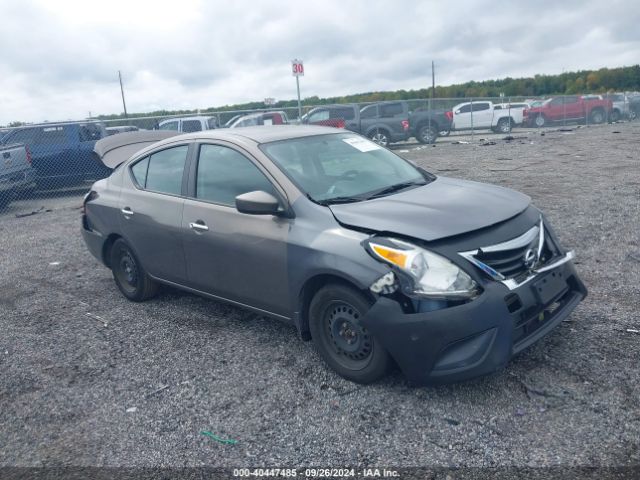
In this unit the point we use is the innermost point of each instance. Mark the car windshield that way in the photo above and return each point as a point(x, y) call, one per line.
point(342, 167)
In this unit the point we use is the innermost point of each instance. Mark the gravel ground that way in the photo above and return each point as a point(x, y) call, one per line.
point(89, 378)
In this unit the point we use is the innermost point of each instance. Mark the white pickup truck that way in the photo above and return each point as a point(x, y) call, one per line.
point(499, 117)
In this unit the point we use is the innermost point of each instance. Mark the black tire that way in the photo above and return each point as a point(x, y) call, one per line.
point(380, 136)
point(346, 346)
point(504, 125)
point(129, 274)
point(597, 116)
point(427, 134)
point(540, 121)
point(615, 116)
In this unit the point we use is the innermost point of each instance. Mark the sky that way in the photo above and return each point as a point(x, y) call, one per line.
point(59, 59)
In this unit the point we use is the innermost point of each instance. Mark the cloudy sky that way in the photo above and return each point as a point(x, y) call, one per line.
point(60, 58)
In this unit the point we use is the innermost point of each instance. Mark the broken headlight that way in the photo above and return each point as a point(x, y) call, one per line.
point(431, 275)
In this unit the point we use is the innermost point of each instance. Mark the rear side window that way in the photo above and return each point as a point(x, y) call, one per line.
point(191, 126)
point(224, 173)
point(164, 173)
point(344, 113)
point(52, 135)
point(391, 109)
point(26, 136)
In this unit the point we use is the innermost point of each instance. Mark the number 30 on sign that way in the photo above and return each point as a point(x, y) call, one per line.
point(297, 68)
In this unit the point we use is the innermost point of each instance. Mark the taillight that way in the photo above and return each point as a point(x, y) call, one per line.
point(405, 124)
point(340, 123)
point(26, 149)
point(449, 115)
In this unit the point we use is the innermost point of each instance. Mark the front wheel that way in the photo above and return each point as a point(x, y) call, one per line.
point(540, 121)
point(597, 116)
point(335, 321)
point(130, 277)
point(427, 134)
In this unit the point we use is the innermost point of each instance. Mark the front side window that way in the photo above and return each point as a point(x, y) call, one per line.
point(164, 173)
point(169, 126)
point(212, 122)
point(319, 116)
point(191, 126)
point(340, 166)
point(224, 173)
point(369, 112)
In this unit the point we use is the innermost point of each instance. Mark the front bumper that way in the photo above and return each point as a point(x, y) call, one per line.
point(479, 337)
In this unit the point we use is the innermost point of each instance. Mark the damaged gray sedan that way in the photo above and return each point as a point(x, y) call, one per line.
point(374, 259)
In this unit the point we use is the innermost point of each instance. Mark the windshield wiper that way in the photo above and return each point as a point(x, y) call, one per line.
point(395, 188)
point(335, 200)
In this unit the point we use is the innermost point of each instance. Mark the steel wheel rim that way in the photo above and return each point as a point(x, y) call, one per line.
point(348, 342)
point(127, 271)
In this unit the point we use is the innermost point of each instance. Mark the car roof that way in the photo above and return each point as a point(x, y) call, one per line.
point(262, 134)
point(122, 145)
point(195, 117)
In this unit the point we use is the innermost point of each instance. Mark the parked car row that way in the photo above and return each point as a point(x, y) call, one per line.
point(384, 122)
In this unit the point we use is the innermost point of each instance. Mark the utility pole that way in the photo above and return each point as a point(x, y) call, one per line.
point(122, 92)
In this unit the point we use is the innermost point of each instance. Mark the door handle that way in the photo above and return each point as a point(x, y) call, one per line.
point(198, 226)
point(127, 211)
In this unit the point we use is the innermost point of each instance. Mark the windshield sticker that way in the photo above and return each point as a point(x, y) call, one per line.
point(361, 144)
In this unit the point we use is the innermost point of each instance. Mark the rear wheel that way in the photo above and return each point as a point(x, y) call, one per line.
point(615, 116)
point(129, 275)
point(504, 125)
point(335, 316)
point(427, 134)
point(597, 116)
point(540, 121)
point(381, 137)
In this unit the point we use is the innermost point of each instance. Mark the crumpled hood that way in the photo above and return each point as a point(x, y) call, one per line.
point(442, 208)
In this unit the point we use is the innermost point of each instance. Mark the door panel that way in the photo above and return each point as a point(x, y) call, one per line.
point(151, 214)
point(239, 257)
point(236, 256)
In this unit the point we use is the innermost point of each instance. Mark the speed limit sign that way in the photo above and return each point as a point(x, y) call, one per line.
point(297, 68)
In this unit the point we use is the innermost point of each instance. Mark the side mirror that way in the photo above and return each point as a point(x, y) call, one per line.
point(257, 203)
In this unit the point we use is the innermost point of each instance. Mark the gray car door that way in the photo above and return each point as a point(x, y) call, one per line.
point(229, 254)
point(151, 212)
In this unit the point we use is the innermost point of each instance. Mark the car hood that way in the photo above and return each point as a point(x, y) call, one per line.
point(442, 208)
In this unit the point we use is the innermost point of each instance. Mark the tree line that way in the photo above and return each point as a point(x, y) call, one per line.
point(619, 79)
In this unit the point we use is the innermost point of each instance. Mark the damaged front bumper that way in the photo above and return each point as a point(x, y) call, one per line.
point(478, 337)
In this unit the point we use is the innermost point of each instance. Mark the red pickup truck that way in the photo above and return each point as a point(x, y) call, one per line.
point(571, 108)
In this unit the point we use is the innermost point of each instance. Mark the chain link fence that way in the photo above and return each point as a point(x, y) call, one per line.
point(45, 162)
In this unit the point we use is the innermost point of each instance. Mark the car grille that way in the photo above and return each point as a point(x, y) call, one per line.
point(514, 259)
